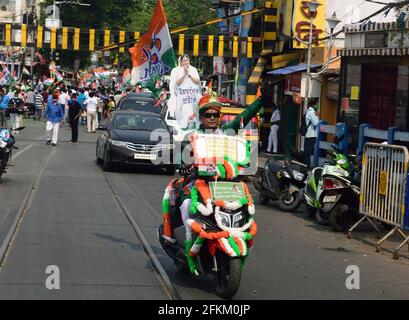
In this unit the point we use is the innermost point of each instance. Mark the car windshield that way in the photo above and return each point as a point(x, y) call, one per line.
point(138, 122)
point(140, 105)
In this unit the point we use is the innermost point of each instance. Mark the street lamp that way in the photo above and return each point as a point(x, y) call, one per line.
point(312, 7)
point(333, 22)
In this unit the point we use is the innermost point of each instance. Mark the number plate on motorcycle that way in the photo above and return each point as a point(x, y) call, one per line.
point(330, 199)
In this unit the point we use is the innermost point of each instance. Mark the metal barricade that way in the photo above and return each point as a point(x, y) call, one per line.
point(383, 189)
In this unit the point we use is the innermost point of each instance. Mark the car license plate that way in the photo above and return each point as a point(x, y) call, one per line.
point(142, 156)
point(330, 198)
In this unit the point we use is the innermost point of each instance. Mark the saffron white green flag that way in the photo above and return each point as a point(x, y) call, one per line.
point(153, 55)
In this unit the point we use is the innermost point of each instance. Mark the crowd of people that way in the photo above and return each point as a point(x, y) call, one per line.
point(58, 105)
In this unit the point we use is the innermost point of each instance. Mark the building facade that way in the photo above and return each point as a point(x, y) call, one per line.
point(374, 77)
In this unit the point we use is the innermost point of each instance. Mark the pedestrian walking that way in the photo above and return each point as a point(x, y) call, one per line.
point(55, 115)
point(4, 105)
point(30, 101)
point(39, 101)
point(110, 107)
point(74, 113)
point(275, 125)
point(311, 120)
point(63, 100)
point(16, 110)
point(91, 104)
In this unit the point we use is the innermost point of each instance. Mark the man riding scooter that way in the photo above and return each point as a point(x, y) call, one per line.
point(209, 116)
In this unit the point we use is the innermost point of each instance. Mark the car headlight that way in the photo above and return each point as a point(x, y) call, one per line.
point(298, 175)
point(117, 143)
point(168, 146)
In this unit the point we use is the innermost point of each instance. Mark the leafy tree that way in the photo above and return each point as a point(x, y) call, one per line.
point(130, 15)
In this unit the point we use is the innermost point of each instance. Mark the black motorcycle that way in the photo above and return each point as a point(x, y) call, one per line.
point(7, 144)
point(282, 180)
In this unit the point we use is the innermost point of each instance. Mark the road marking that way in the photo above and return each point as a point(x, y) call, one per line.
point(11, 235)
point(160, 271)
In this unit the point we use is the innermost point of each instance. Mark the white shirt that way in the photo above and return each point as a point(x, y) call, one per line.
point(275, 116)
point(312, 120)
point(64, 97)
point(92, 104)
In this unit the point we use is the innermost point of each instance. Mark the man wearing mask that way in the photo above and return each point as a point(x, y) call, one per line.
point(311, 120)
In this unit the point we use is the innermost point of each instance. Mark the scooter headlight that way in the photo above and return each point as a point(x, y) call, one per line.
point(3, 144)
point(287, 175)
point(233, 220)
point(239, 219)
point(225, 218)
point(299, 176)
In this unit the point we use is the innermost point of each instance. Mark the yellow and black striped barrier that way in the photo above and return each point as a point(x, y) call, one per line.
point(269, 41)
point(78, 39)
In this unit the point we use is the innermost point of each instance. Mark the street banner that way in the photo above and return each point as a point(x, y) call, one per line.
point(153, 55)
point(302, 24)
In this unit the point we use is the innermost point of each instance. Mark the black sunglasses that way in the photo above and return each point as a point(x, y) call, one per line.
point(211, 115)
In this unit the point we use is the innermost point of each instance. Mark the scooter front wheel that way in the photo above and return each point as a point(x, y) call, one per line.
point(289, 201)
point(228, 278)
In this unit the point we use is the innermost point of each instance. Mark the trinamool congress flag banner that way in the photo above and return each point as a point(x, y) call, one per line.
point(153, 55)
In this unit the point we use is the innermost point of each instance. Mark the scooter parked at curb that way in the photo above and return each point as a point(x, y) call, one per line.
point(332, 191)
point(281, 180)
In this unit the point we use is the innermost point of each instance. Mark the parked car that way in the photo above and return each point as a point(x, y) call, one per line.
point(136, 138)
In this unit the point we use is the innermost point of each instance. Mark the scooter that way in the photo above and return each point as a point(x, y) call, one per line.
point(320, 193)
point(340, 196)
point(221, 220)
point(282, 181)
point(7, 144)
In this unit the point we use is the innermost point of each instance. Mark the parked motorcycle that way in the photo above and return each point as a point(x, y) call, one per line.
point(332, 191)
point(7, 144)
point(221, 220)
point(282, 181)
point(341, 192)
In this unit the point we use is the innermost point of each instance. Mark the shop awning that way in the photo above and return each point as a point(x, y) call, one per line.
point(291, 69)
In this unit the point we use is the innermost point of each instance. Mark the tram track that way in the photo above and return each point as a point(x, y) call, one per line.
point(160, 272)
point(7, 242)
